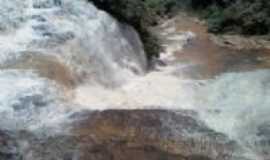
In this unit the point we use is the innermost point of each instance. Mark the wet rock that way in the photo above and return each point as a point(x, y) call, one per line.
point(263, 142)
point(39, 18)
point(43, 29)
point(122, 135)
point(51, 39)
point(152, 133)
point(47, 3)
point(8, 147)
point(28, 101)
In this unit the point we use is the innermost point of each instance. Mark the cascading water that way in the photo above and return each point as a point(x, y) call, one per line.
point(45, 43)
point(48, 47)
point(76, 33)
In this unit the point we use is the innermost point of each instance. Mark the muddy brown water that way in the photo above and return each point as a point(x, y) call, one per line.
point(46, 66)
point(212, 59)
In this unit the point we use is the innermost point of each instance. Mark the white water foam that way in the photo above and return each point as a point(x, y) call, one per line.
point(28, 102)
point(235, 104)
point(91, 42)
point(88, 40)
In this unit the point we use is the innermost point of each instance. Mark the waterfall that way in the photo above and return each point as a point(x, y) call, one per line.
point(63, 57)
point(90, 42)
point(50, 46)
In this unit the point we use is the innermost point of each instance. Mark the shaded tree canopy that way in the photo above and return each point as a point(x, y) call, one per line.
point(248, 17)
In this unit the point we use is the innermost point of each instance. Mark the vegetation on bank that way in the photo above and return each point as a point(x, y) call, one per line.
point(248, 17)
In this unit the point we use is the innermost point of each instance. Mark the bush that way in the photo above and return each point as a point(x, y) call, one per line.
point(164, 7)
point(215, 18)
point(249, 17)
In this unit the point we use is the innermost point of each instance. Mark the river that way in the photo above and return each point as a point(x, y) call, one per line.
point(75, 86)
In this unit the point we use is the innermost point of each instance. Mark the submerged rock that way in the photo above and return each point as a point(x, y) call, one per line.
point(8, 147)
point(122, 135)
point(148, 134)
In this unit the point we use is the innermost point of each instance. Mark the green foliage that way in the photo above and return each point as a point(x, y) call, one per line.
point(164, 7)
point(215, 19)
point(249, 17)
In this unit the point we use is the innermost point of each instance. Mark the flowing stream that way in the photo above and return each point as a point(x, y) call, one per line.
point(63, 57)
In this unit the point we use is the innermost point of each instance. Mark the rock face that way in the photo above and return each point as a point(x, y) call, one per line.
point(122, 135)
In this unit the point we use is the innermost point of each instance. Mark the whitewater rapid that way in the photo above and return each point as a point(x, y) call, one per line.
point(107, 66)
point(73, 32)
